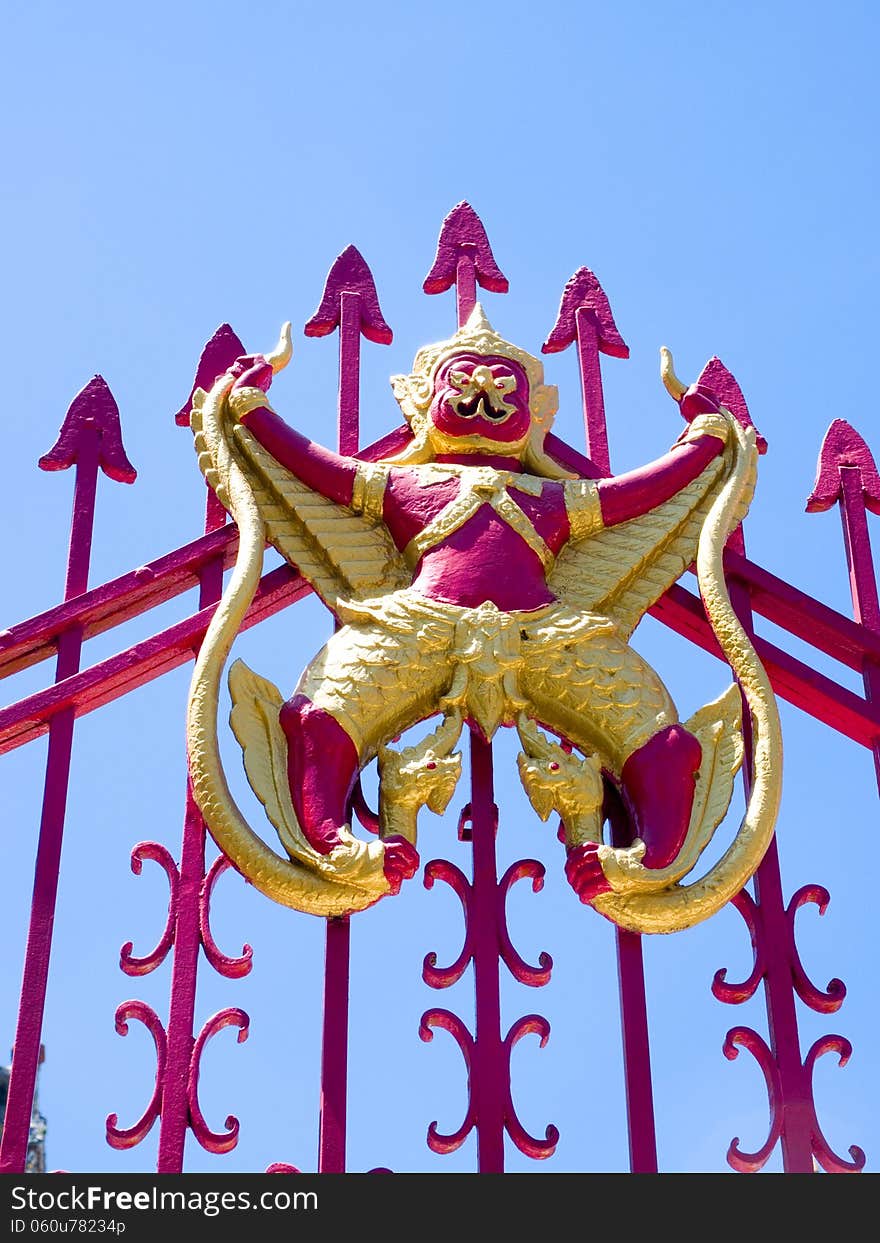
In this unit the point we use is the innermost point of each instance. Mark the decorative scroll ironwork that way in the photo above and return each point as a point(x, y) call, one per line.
point(847, 476)
point(128, 1137)
point(486, 942)
point(213, 1141)
point(128, 962)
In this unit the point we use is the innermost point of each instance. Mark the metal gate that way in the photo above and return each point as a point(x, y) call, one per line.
point(807, 636)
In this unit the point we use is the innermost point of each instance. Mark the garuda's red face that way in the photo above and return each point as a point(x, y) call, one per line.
point(486, 396)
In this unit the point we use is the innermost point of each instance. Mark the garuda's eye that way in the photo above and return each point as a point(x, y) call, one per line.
point(460, 379)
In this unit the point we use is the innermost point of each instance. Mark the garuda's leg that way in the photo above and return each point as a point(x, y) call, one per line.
point(601, 695)
point(365, 687)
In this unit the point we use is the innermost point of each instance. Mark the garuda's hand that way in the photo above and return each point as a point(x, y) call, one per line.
point(253, 375)
point(704, 414)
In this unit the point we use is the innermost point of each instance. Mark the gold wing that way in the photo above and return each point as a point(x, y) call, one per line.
point(340, 552)
point(266, 502)
point(621, 571)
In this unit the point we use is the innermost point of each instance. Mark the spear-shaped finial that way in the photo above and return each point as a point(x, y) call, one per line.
point(92, 413)
point(219, 353)
point(350, 303)
point(721, 383)
point(585, 315)
point(90, 438)
point(464, 258)
point(843, 448)
point(350, 273)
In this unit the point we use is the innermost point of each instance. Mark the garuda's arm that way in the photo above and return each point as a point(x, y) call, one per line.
point(638, 491)
point(327, 472)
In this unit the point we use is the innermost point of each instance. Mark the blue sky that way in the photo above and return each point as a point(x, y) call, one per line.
point(174, 166)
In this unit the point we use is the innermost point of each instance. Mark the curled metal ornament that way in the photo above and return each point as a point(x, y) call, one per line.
point(128, 1137)
point(522, 972)
point(747, 1038)
point(735, 994)
point(830, 1162)
point(213, 1141)
point(231, 967)
point(830, 999)
point(444, 977)
point(128, 962)
point(445, 1019)
point(537, 1149)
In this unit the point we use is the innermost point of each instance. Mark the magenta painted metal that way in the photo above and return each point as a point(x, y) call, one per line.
point(334, 1048)
point(175, 1102)
point(777, 964)
point(490, 1110)
point(847, 474)
point(350, 303)
point(464, 259)
point(90, 438)
point(463, 256)
point(585, 316)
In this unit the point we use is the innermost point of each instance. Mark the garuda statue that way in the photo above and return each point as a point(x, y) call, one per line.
point(474, 580)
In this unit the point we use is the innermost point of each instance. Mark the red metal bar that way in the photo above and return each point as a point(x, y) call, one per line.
point(175, 1109)
point(801, 615)
point(863, 583)
point(137, 665)
point(349, 370)
point(113, 603)
point(791, 1106)
point(490, 1074)
point(26, 1050)
point(595, 426)
point(334, 1048)
point(465, 282)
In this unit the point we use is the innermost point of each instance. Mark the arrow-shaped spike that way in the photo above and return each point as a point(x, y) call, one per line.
point(93, 410)
point(462, 232)
point(350, 273)
point(220, 352)
point(584, 291)
point(723, 383)
point(843, 446)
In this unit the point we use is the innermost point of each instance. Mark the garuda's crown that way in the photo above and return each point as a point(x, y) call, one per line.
point(477, 336)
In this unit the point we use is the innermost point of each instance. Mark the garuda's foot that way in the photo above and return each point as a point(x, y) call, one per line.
point(400, 862)
point(584, 872)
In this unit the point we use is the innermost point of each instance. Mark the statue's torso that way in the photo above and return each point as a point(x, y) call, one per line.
point(474, 534)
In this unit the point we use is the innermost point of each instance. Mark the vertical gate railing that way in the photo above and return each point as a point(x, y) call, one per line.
point(90, 437)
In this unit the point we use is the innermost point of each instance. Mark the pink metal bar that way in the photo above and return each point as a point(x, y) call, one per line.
point(350, 303)
point(793, 1121)
point(863, 583)
point(349, 371)
point(465, 283)
point(181, 1060)
point(591, 386)
point(635, 1036)
point(137, 665)
point(791, 1104)
point(585, 316)
point(26, 1050)
point(490, 1082)
point(334, 1048)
